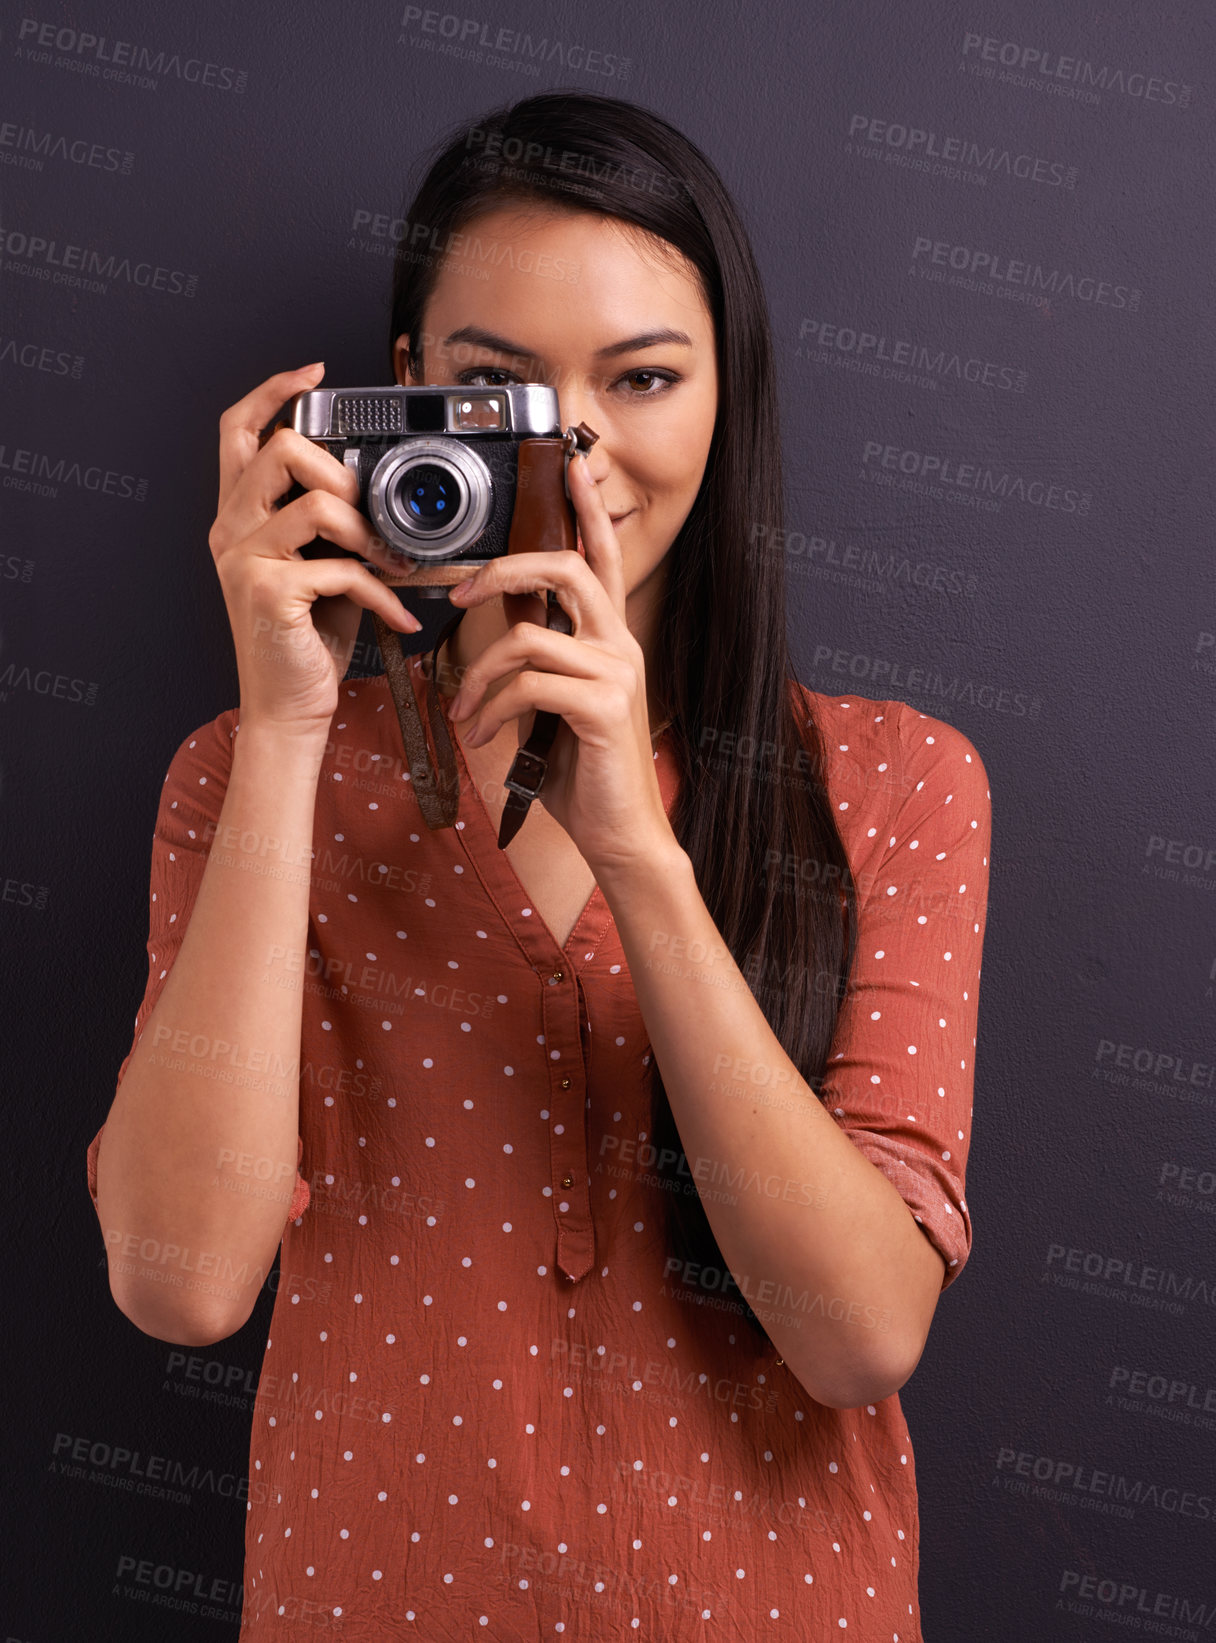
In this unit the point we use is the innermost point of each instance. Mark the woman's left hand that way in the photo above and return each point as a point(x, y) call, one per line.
point(601, 783)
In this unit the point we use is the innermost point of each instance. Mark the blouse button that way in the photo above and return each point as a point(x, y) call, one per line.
point(565, 1083)
point(557, 976)
point(567, 1180)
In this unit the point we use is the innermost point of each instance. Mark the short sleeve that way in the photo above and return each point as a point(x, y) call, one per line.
point(187, 815)
point(900, 1072)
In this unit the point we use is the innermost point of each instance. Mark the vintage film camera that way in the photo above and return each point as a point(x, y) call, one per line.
point(449, 476)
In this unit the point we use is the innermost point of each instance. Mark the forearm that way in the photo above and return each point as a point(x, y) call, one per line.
point(198, 1160)
point(819, 1241)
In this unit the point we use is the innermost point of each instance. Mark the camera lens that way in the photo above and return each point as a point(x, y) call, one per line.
point(428, 496)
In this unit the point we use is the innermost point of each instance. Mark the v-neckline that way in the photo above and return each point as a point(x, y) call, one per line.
point(494, 866)
point(488, 833)
point(504, 884)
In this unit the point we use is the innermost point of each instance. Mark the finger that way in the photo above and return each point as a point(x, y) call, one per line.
point(580, 593)
point(306, 580)
point(241, 423)
point(597, 710)
point(527, 645)
point(598, 533)
point(316, 514)
point(286, 457)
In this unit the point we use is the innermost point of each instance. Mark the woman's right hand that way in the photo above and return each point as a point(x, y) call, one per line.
point(291, 657)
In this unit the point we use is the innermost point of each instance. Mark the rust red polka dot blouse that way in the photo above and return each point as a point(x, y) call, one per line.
point(484, 1408)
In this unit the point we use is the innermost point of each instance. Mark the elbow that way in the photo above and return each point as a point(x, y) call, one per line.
point(195, 1332)
point(861, 1390)
point(868, 1379)
point(184, 1331)
point(177, 1327)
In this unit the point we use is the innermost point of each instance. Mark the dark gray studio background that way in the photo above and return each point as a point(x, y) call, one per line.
point(997, 380)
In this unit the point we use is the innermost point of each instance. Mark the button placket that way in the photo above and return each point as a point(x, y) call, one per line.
point(569, 1178)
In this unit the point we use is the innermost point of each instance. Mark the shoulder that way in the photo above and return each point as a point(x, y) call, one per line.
point(203, 758)
point(863, 724)
point(873, 730)
point(947, 776)
point(937, 744)
point(888, 765)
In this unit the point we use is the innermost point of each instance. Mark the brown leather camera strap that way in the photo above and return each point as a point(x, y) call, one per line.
point(437, 790)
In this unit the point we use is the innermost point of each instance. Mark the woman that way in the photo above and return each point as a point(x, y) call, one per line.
point(629, 1161)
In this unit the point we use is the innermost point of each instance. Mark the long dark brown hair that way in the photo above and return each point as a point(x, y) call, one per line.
point(721, 666)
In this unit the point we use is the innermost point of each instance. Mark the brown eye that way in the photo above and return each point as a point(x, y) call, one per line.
point(642, 382)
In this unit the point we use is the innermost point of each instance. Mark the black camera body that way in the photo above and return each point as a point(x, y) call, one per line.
point(438, 467)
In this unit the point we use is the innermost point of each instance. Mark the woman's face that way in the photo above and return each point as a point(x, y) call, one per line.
point(627, 343)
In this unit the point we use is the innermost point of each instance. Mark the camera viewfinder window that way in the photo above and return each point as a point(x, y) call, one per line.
point(476, 413)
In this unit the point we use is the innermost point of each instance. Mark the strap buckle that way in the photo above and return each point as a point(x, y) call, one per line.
point(527, 774)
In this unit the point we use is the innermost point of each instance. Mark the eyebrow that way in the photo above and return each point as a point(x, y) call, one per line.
point(646, 339)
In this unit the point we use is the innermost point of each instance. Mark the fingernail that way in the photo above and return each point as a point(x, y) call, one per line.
point(306, 370)
point(462, 587)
